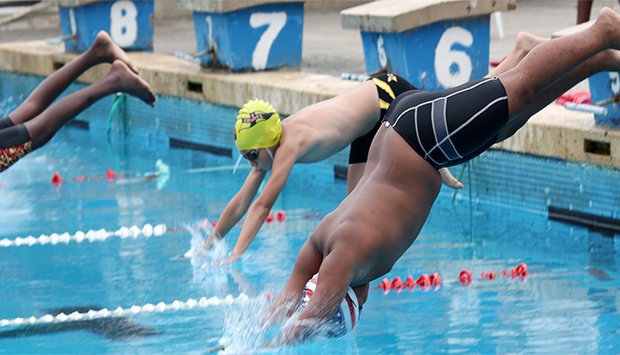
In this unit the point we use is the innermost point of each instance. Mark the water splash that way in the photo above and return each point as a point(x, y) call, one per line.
point(250, 327)
point(197, 253)
point(245, 327)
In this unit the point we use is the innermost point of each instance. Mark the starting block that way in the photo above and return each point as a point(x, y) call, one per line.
point(129, 23)
point(246, 35)
point(435, 44)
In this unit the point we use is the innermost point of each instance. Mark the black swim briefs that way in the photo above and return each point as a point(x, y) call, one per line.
point(389, 87)
point(451, 126)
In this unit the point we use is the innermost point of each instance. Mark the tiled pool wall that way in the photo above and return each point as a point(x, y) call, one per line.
point(535, 183)
point(499, 177)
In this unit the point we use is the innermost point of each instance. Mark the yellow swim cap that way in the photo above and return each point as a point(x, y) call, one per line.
point(258, 126)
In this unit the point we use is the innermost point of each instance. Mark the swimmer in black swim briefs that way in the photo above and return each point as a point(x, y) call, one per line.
point(379, 220)
point(313, 134)
point(36, 120)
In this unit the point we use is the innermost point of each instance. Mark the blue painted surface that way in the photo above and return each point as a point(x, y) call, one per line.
point(130, 23)
point(257, 38)
point(568, 304)
point(435, 56)
point(604, 86)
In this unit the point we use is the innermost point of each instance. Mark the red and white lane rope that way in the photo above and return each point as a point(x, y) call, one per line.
point(92, 235)
point(122, 312)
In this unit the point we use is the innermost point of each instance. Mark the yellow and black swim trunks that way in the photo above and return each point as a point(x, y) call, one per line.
point(14, 143)
point(389, 87)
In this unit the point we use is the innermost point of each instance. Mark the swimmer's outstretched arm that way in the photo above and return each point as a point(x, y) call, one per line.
point(259, 210)
point(335, 276)
point(237, 206)
point(449, 180)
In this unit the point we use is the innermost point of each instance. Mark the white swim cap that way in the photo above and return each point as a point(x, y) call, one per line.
point(345, 316)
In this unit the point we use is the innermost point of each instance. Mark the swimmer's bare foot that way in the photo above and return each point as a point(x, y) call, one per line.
point(526, 42)
point(609, 21)
point(129, 82)
point(449, 180)
point(107, 51)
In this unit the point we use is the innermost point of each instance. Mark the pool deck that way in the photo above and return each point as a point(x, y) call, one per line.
point(554, 132)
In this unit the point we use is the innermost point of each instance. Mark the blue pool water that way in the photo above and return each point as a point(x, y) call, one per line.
point(567, 304)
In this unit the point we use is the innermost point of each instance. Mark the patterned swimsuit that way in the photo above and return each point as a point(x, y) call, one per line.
point(14, 143)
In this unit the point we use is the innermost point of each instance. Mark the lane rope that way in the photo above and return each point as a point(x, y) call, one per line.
point(121, 312)
point(92, 235)
point(134, 232)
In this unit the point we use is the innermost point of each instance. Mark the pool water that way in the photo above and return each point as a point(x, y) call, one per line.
point(567, 304)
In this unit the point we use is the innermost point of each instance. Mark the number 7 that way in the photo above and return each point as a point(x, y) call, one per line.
point(275, 22)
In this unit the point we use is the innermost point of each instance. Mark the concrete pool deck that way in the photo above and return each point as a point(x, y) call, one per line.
point(554, 132)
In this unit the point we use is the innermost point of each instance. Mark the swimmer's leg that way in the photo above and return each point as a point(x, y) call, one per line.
point(550, 61)
point(119, 78)
point(608, 60)
point(103, 50)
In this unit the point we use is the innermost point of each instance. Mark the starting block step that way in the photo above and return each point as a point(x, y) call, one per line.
point(435, 44)
point(247, 35)
point(129, 23)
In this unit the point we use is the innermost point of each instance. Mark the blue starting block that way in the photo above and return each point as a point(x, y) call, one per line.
point(245, 35)
point(129, 23)
point(434, 44)
point(604, 89)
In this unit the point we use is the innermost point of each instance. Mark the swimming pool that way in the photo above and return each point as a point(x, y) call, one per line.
point(568, 303)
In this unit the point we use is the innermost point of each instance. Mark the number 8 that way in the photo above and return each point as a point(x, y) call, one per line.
point(123, 24)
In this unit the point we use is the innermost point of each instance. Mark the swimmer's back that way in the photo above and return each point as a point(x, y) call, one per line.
point(377, 218)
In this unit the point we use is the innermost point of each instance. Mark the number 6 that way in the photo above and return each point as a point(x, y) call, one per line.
point(446, 58)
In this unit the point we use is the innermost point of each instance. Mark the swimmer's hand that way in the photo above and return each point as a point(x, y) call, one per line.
point(229, 260)
point(295, 332)
point(194, 254)
point(213, 236)
point(449, 180)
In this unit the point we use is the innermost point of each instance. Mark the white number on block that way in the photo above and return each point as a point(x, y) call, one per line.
point(381, 52)
point(72, 21)
point(614, 79)
point(453, 67)
point(209, 30)
point(123, 23)
point(274, 21)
